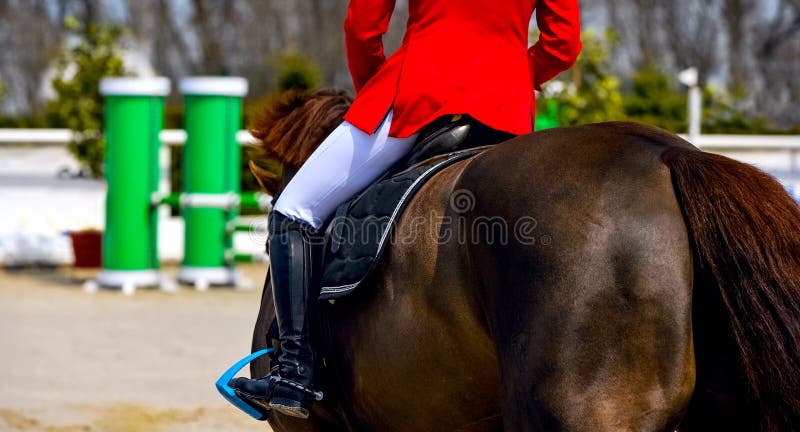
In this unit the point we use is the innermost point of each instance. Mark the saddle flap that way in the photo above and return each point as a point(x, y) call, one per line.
point(364, 226)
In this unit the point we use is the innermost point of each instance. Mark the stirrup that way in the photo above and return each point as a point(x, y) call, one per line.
point(240, 400)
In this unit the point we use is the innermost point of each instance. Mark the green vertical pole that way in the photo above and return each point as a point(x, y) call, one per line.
point(233, 170)
point(134, 116)
point(210, 165)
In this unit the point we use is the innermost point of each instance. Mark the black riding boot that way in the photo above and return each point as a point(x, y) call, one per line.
point(289, 387)
point(291, 256)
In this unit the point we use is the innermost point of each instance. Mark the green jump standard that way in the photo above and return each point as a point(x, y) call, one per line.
point(134, 116)
point(211, 176)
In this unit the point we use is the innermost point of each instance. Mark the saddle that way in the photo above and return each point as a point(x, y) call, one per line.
point(361, 229)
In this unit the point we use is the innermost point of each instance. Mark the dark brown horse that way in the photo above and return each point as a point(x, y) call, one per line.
point(600, 278)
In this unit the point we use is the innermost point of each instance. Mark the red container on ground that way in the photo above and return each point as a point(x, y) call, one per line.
point(87, 245)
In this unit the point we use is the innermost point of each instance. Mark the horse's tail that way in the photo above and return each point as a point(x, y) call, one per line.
point(746, 234)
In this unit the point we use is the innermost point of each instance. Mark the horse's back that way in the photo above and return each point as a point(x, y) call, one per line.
point(588, 293)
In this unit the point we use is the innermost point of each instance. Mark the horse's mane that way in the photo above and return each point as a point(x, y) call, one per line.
point(290, 127)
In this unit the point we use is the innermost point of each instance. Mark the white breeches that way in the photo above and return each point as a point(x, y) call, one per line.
point(346, 162)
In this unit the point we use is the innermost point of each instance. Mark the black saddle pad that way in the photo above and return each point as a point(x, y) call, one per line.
point(363, 227)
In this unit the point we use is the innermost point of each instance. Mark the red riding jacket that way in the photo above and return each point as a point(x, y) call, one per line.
point(457, 57)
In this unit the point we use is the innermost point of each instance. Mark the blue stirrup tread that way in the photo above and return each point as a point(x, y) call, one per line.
point(257, 412)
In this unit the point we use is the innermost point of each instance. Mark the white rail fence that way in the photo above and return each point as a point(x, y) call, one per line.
point(177, 137)
point(777, 154)
point(172, 137)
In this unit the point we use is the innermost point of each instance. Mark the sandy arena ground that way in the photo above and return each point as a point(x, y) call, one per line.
point(71, 361)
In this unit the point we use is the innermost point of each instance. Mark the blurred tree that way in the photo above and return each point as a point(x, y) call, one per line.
point(209, 23)
point(297, 73)
point(691, 32)
point(3, 120)
point(736, 13)
point(591, 92)
point(27, 36)
point(78, 104)
point(776, 89)
point(785, 26)
point(722, 113)
point(654, 100)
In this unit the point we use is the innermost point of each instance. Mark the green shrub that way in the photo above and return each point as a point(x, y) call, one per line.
point(723, 114)
point(297, 72)
point(78, 104)
point(653, 99)
point(589, 92)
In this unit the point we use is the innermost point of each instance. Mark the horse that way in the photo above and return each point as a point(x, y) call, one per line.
point(607, 277)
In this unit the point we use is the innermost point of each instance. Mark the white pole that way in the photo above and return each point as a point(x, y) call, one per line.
point(690, 78)
point(695, 113)
point(164, 184)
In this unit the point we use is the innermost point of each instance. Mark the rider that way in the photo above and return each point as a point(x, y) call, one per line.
point(457, 57)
